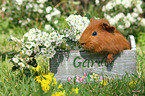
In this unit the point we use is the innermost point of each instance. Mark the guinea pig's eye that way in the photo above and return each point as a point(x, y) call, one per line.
point(94, 33)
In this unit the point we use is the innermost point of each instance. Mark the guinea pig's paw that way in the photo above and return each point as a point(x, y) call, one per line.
point(109, 58)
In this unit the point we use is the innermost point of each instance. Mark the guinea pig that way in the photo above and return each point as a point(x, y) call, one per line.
point(101, 37)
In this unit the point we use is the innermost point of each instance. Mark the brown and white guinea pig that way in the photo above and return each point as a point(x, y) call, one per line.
point(101, 37)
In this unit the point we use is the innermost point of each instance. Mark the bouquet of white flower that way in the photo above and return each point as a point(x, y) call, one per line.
point(124, 14)
point(26, 12)
point(33, 44)
point(77, 25)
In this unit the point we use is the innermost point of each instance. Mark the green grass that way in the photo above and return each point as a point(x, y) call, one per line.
point(17, 84)
point(11, 83)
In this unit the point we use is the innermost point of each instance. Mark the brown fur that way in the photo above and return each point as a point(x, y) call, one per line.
point(108, 39)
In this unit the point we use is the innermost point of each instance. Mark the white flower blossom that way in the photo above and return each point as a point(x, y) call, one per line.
point(55, 12)
point(31, 37)
point(10, 18)
point(51, 53)
point(48, 17)
point(97, 2)
point(27, 58)
point(15, 60)
point(56, 21)
point(3, 9)
point(60, 37)
point(37, 30)
point(29, 46)
point(131, 18)
point(41, 5)
point(29, 6)
point(19, 2)
point(107, 16)
point(48, 9)
point(27, 66)
point(109, 6)
point(20, 21)
point(23, 50)
point(139, 9)
point(29, 52)
point(77, 37)
point(36, 7)
point(120, 27)
point(41, 1)
point(45, 34)
point(127, 24)
point(51, 39)
point(112, 21)
point(40, 37)
point(126, 3)
point(53, 34)
point(13, 38)
point(118, 2)
point(20, 41)
point(40, 10)
point(43, 50)
point(21, 64)
point(47, 43)
point(142, 22)
point(134, 14)
point(32, 30)
point(28, 20)
point(47, 27)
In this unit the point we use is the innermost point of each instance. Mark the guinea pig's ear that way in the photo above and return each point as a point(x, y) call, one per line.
point(92, 19)
point(108, 28)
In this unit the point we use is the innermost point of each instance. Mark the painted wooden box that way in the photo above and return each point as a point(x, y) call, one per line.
point(76, 62)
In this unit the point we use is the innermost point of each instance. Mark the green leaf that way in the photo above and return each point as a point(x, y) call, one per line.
point(5, 24)
point(33, 62)
point(27, 72)
point(11, 53)
point(88, 16)
point(76, 2)
point(14, 68)
point(89, 77)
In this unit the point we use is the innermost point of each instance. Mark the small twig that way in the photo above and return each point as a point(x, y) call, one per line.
point(48, 64)
point(26, 27)
point(60, 4)
point(37, 18)
point(40, 24)
point(137, 91)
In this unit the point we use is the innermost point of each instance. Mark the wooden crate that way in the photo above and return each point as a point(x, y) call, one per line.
point(76, 62)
